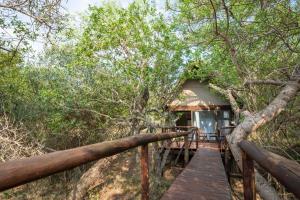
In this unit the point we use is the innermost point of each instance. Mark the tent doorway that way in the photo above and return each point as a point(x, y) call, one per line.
point(206, 120)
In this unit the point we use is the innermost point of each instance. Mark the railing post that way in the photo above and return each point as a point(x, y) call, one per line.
point(248, 177)
point(145, 172)
point(197, 138)
point(219, 139)
point(186, 150)
point(227, 159)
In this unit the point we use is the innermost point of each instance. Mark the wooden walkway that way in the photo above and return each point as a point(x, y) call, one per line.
point(203, 178)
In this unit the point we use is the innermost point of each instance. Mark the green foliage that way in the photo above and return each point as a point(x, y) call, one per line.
point(23, 22)
point(236, 41)
point(80, 90)
point(92, 80)
point(87, 87)
point(137, 45)
point(263, 36)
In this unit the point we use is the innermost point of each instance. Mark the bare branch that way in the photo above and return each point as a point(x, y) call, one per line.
point(5, 49)
point(227, 14)
point(227, 42)
point(36, 18)
point(265, 82)
point(15, 141)
point(229, 96)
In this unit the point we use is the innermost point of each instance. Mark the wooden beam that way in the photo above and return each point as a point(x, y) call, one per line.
point(145, 172)
point(17, 172)
point(286, 171)
point(198, 107)
point(248, 177)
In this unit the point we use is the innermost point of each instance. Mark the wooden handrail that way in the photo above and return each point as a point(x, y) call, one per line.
point(18, 172)
point(227, 127)
point(286, 171)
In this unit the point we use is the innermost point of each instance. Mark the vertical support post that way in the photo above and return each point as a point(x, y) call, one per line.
point(219, 139)
point(186, 150)
point(197, 139)
point(227, 160)
point(248, 177)
point(145, 172)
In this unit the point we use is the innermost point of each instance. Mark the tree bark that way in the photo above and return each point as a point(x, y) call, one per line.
point(265, 82)
point(157, 158)
point(138, 113)
point(229, 96)
point(138, 110)
point(164, 160)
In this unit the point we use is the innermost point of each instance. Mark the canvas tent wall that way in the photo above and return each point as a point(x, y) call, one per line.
point(195, 96)
point(200, 106)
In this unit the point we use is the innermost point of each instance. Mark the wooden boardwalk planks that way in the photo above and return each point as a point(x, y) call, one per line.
point(203, 178)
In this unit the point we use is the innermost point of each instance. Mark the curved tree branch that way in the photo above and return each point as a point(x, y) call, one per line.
point(253, 122)
point(265, 82)
point(229, 96)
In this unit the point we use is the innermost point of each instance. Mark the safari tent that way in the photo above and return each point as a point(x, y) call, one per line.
point(198, 105)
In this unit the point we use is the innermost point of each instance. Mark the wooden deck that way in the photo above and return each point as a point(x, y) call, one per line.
point(203, 178)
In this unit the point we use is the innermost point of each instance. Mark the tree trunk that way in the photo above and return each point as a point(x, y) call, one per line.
point(138, 112)
point(91, 178)
point(163, 161)
point(156, 157)
point(253, 122)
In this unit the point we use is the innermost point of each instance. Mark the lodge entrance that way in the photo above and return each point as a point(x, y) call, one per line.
point(208, 121)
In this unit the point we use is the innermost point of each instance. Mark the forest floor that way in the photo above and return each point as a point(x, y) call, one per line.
point(123, 181)
point(236, 188)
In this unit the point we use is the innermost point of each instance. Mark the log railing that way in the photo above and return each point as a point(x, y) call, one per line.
point(286, 171)
point(18, 172)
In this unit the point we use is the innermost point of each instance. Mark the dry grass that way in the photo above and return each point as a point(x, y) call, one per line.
point(237, 191)
point(123, 181)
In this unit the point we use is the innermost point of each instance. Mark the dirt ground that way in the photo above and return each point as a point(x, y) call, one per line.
point(123, 181)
